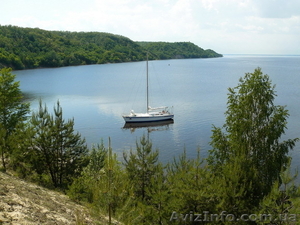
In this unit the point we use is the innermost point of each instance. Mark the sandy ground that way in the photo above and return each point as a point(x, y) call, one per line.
point(25, 203)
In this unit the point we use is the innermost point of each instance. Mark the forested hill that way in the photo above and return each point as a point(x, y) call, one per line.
point(25, 48)
point(178, 50)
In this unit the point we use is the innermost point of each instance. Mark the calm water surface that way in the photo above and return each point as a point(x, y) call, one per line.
point(97, 95)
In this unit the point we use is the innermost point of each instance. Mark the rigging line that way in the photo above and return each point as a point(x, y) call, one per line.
point(135, 86)
point(158, 82)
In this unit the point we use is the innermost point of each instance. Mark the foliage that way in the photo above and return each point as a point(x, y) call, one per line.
point(23, 48)
point(254, 127)
point(248, 152)
point(81, 190)
point(141, 167)
point(280, 205)
point(192, 188)
point(112, 188)
point(246, 171)
point(177, 50)
point(148, 184)
point(56, 146)
point(13, 112)
point(102, 183)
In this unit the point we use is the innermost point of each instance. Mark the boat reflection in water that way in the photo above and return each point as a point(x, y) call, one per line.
point(152, 126)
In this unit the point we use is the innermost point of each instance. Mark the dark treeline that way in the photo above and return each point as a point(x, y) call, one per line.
point(25, 48)
point(178, 50)
point(244, 180)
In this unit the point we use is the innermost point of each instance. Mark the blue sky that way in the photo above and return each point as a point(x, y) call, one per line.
point(226, 26)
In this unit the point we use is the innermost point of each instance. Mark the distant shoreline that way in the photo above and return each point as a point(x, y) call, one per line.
point(30, 48)
point(262, 55)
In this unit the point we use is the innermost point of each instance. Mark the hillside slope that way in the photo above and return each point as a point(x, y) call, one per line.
point(25, 203)
point(26, 48)
point(178, 50)
point(23, 48)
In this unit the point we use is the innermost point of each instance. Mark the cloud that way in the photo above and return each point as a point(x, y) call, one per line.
point(277, 8)
point(230, 26)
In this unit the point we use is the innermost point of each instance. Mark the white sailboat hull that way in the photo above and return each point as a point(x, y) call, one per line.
point(152, 114)
point(146, 117)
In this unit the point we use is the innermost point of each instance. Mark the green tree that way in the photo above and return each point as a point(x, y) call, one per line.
point(60, 151)
point(103, 183)
point(252, 139)
point(153, 210)
point(83, 187)
point(22, 48)
point(235, 187)
point(13, 111)
point(280, 206)
point(141, 167)
point(112, 189)
point(158, 210)
point(192, 189)
point(20, 158)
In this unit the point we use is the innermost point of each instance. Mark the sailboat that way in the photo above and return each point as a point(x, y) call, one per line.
point(152, 114)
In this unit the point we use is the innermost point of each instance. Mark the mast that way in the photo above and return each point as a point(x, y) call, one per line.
point(147, 94)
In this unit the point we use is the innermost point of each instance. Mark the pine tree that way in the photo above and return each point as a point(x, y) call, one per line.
point(103, 183)
point(59, 150)
point(158, 210)
point(142, 169)
point(83, 187)
point(280, 205)
point(141, 166)
point(112, 185)
point(13, 112)
point(192, 189)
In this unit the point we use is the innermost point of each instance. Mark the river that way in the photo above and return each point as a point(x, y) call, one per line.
point(97, 95)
